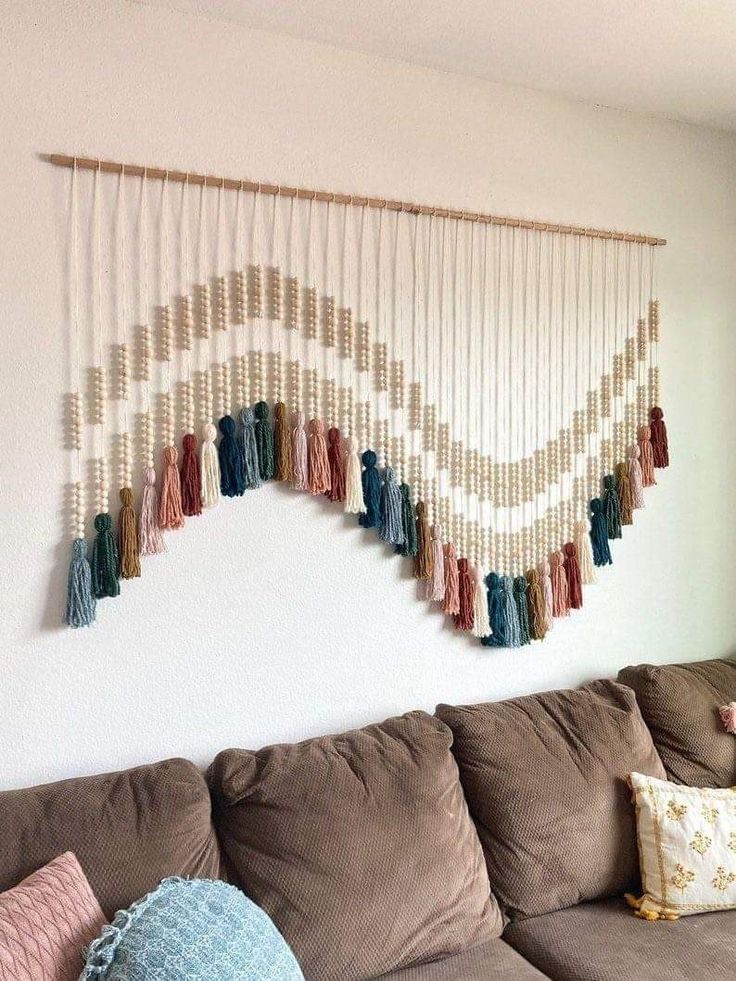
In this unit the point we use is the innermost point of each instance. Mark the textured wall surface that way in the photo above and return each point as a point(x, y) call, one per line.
point(274, 619)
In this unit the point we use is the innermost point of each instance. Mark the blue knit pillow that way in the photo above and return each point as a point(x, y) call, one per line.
point(191, 930)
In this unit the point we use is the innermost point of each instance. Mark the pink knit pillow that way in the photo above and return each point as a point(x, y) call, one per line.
point(46, 921)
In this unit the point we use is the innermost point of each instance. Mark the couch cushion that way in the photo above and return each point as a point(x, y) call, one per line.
point(606, 942)
point(359, 846)
point(545, 777)
point(128, 829)
point(680, 705)
point(494, 961)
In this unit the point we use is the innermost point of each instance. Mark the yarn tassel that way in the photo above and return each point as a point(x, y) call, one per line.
point(585, 555)
point(408, 525)
point(210, 467)
point(150, 538)
point(80, 601)
point(104, 564)
point(635, 478)
point(300, 478)
point(451, 602)
point(509, 613)
point(481, 623)
point(522, 609)
point(496, 637)
point(646, 457)
point(371, 484)
point(128, 548)
point(423, 562)
point(612, 506)
point(318, 463)
point(264, 441)
point(625, 497)
point(560, 599)
point(390, 529)
point(660, 449)
point(464, 618)
point(282, 442)
point(337, 465)
point(535, 604)
point(232, 476)
point(599, 533)
point(545, 579)
point(191, 479)
point(354, 503)
point(251, 466)
point(574, 578)
point(170, 514)
point(436, 583)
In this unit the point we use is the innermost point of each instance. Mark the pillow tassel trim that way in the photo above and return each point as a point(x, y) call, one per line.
point(646, 908)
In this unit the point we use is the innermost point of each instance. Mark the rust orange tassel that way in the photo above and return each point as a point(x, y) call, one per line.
point(337, 465)
point(466, 596)
point(191, 482)
point(574, 579)
point(660, 449)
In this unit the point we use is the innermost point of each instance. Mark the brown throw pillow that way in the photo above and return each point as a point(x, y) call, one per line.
point(545, 777)
point(359, 846)
point(128, 829)
point(680, 705)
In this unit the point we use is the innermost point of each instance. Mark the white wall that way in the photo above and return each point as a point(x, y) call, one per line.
point(273, 619)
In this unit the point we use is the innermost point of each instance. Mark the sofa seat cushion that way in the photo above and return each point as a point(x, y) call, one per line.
point(546, 781)
point(494, 961)
point(359, 846)
point(128, 830)
point(680, 705)
point(604, 941)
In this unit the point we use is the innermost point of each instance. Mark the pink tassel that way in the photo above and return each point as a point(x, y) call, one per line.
point(170, 513)
point(646, 458)
point(560, 600)
point(728, 717)
point(635, 477)
point(549, 603)
point(318, 462)
point(150, 539)
point(299, 453)
point(451, 602)
point(436, 583)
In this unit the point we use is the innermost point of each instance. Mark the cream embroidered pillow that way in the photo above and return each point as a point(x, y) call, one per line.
point(687, 848)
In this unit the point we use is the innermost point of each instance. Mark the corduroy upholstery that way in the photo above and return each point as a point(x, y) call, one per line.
point(680, 705)
point(494, 961)
point(127, 829)
point(545, 778)
point(359, 846)
point(605, 942)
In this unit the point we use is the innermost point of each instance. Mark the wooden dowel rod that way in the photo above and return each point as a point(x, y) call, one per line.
point(182, 177)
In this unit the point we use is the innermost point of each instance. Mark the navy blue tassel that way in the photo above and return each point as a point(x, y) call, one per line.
point(599, 533)
point(232, 475)
point(522, 609)
point(613, 507)
point(371, 481)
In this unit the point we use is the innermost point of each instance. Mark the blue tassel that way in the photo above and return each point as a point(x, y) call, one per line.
point(371, 491)
point(232, 478)
point(264, 442)
point(510, 613)
point(80, 601)
point(599, 533)
point(522, 609)
point(391, 529)
point(251, 469)
point(613, 507)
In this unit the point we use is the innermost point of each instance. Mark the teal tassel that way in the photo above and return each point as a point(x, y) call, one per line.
point(522, 608)
point(251, 468)
point(497, 636)
point(410, 545)
point(264, 442)
point(371, 482)
point(613, 507)
point(104, 565)
point(599, 534)
point(80, 601)
point(391, 529)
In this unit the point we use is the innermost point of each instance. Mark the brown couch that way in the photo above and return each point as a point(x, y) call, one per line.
point(489, 842)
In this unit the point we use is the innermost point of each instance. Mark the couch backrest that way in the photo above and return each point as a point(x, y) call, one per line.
point(128, 829)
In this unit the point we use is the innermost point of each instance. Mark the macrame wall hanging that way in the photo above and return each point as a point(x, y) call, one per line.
point(481, 393)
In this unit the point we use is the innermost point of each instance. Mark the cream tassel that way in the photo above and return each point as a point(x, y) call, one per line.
point(210, 467)
point(481, 621)
point(354, 503)
point(585, 553)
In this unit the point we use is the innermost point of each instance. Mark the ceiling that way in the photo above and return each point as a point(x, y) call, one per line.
point(675, 58)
